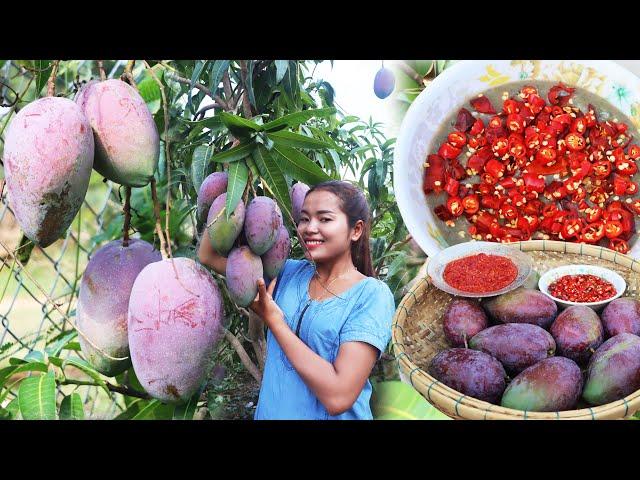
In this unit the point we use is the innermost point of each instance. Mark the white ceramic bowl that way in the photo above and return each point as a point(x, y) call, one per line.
point(452, 90)
point(555, 273)
point(435, 268)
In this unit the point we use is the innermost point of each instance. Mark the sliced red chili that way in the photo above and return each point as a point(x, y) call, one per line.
point(477, 128)
point(619, 184)
point(634, 206)
point(490, 201)
point(508, 211)
point(527, 91)
point(619, 245)
point(500, 146)
point(434, 174)
point(448, 151)
point(471, 204)
point(575, 142)
point(464, 120)
point(593, 232)
point(593, 214)
point(579, 125)
point(612, 228)
point(442, 213)
point(602, 168)
point(495, 168)
point(634, 152)
point(626, 166)
point(457, 139)
point(482, 104)
point(557, 97)
point(454, 206)
point(571, 228)
point(533, 182)
point(451, 187)
point(515, 123)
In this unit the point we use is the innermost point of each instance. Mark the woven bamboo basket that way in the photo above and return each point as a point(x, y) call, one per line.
point(417, 336)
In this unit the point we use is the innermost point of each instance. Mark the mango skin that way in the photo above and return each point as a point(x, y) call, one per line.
point(174, 324)
point(261, 224)
point(463, 318)
point(578, 333)
point(522, 306)
point(470, 372)
point(614, 370)
point(516, 345)
point(244, 268)
point(551, 385)
point(298, 192)
point(212, 187)
point(222, 232)
point(103, 301)
point(48, 157)
point(621, 315)
point(273, 259)
point(126, 137)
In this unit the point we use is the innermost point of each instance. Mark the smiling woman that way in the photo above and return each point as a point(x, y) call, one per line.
point(329, 318)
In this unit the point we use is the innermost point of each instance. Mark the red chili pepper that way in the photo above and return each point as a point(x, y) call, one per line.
point(533, 208)
point(593, 214)
point(476, 163)
point(451, 187)
point(471, 204)
point(477, 128)
point(482, 104)
point(619, 184)
point(634, 152)
point(632, 188)
point(508, 211)
point(487, 178)
point(619, 245)
point(598, 195)
point(500, 146)
point(464, 120)
point(602, 168)
point(579, 126)
point(571, 228)
point(496, 230)
point(533, 182)
point(555, 96)
point(484, 220)
point(457, 139)
point(582, 288)
point(528, 90)
point(454, 206)
point(536, 103)
point(490, 201)
point(449, 151)
point(495, 168)
point(575, 142)
point(515, 123)
point(593, 232)
point(507, 183)
point(634, 206)
point(442, 213)
point(579, 195)
point(549, 210)
point(626, 166)
point(434, 174)
point(612, 228)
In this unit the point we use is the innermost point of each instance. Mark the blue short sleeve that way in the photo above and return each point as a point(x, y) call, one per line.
point(371, 318)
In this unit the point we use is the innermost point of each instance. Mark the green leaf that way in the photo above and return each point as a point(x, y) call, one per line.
point(72, 346)
point(43, 68)
point(234, 154)
point(56, 347)
point(397, 263)
point(252, 97)
point(13, 409)
point(37, 397)
point(89, 370)
point(212, 123)
point(200, 163)
point(187, 410)
point(150, 90)
point(155, 410)
point(24, 249)
point(395, 400)
point(34, 356)
point(290, 139)
point(299, 166)
point(215, 74)
point(238, 126)
point(238, 176)
point(281, 69)
point(295, 119)
point(274, 177)
point(71, 408)
point(194, 79)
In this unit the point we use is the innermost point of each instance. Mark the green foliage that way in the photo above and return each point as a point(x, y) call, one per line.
point(37, 397)
point(396, 400)
point(71, 408)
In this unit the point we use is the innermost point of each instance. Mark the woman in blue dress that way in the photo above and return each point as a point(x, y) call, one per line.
point(328, 317)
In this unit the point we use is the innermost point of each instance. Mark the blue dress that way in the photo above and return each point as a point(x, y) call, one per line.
point(362, 313)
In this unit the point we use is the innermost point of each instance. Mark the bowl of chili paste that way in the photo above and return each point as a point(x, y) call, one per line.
point(515, 150)
point(479, 269)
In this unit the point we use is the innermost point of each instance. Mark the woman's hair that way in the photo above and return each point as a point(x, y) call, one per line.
point(354, 204)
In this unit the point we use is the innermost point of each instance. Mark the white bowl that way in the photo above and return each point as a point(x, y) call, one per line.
point(435, 268)
point(609, 275)
point(452, 90)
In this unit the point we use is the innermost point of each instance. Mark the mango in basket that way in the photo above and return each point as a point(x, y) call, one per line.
point(551, 385)
point(614, 370)
point(622, 315)
point(522, 305)
point(463, 318)
point(577, 332)
point(471, 372)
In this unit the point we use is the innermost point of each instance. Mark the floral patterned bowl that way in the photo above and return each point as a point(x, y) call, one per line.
point(453, 88)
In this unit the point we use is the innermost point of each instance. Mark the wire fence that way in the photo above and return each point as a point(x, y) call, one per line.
point(29, 319)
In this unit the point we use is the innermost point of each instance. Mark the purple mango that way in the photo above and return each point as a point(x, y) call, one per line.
point(463, 318)
point(261, 224)
point(175, 320)
point(222, 232)
point(516, 345)
point(212, 187)
point(471, 372)
point(621, 315)
point(298, 192)
point(244, 268)
point(48, 157)
point(274, 258)
point(614, 370)
point(522, 306)
point(577, 332)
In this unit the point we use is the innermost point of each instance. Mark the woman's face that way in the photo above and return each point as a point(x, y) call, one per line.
point(324, 227)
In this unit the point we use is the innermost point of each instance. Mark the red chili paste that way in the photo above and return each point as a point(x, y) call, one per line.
point(480, 273)
point(582, 288)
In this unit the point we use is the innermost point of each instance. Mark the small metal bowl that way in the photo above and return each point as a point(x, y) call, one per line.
point(609, 275)
point(435, 268)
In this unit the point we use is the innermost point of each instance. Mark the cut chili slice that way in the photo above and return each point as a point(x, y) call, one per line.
point(593, 232)
point(575, 142)
point(571, 228)
point(557, 97)
point(471, 204)
point(452, 186)
point(482, 104)
point(626, 166)
point(454, 205)
point(434, 174)
point(448, 151)
point(457, 139)
point(619, 245)
point(612, 228)
point(464, 120)
point(477, 128)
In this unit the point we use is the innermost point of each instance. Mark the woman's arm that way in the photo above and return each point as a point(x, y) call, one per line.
point(336, 385)
point(209, 257)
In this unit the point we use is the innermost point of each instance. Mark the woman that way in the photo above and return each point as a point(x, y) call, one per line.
point(329, 318)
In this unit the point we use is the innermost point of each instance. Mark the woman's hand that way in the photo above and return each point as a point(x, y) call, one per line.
point(264, 305)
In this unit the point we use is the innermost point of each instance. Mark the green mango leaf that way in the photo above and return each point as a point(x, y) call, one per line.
point(212, 123)
point(186, 411)
point(281, 69)
point(37, 397)
point(133, 408)
point(274, 176)
point(43, 72)
point(299, 166)
point(194, 79)
point(397, 264)
point(56, 347)
point(238, 126)
point(72, 346)
point(89, 370)
point(13, 410)
point(34, 356)
point(234, 154)
point(290, 139)
point(200, 164)
point(295, 119)
point(24, 249)
point(71, 408)
point(238, 176)
point(155, 410)
point(395, 400)
point(216, 72)
point(249, 85)
point(150, 90)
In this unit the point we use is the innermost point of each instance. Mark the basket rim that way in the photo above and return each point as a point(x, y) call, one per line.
point(452, 398)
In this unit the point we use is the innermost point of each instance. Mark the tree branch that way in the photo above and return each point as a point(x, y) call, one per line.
point(121, 389)
point(244, 357)
point(103, 75)
point(201, 87)
point(51, 83)
point(411, 73)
